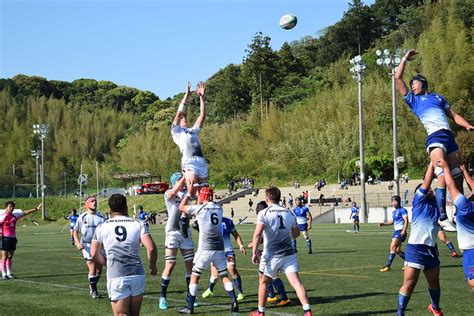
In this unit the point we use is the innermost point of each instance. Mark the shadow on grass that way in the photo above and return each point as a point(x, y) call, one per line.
point(389, 311)
point(335, 299)
point(339, 251)
point(51, 275)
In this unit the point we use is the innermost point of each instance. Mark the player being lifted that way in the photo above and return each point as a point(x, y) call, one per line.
point(174, 239)
point(210, 247)
point(86, 224)
point(305, 222)
point(433, 112)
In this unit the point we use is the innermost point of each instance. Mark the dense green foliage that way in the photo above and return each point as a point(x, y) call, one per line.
point(278, 116)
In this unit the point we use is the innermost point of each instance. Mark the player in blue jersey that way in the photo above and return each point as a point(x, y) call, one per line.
point(228, 229)
point(400, 225)
point(464, 219)
point(421, 253)
point(433, 112)
point(304, 221)
point(355, 217)
point(72, 218)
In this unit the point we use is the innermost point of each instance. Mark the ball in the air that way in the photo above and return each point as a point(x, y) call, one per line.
point(288, 21)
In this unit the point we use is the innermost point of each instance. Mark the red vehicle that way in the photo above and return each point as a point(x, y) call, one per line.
point(152, 188)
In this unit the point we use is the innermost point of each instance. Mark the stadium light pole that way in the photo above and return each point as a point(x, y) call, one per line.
point(42, 130)
point(36, 155)
point(358, 69)
point(392, 60)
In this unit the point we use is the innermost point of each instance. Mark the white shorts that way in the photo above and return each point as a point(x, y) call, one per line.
point(272, 266)
point(196, 166)
point(123, 287)
point(175, 240)
point(203, 259)
point(86, 252)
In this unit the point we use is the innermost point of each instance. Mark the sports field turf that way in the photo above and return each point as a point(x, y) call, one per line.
point(342, 277)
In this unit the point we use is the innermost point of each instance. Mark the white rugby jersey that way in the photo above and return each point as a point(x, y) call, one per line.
point(209, 217)
point(174, 214)
point(187, 141)
point(87, 223)
point(120, 236)
point(465, 222)
point(277, 238)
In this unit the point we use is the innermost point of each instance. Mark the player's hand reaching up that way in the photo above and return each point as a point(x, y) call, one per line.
point(410, 54)
point(201, 88)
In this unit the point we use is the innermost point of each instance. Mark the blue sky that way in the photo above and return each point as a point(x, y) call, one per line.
point(150, 45)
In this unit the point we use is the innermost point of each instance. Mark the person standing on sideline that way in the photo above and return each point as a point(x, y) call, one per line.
point(120, 237)
point(8, 243)
point(305, 222)
point(464, 219)
point(143, 216)
point(277, 226)
point(232, 212)
point(421, 253)
point(72, 218)
point(86, 225)
point(433, 111)
point(210, 247)
point(228, 228)
point(174, 240)
point(355, 217)
point(250, 205)
point(400, 225)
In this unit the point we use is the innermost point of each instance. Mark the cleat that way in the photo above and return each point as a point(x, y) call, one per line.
point(257, 313)
point(240, 297)
point(163, 303)
point(436, 312)
point(283, 303)
point(196, 303)
point(385, 269)
point(272, 299)
point(310, 252)
point(185, 311)
point(234, 307)
point(208, 293)
point(447, 225)
point(308, 313)
point(454, 254)
point(95, 295)
point(4, 277)
point(10, 277)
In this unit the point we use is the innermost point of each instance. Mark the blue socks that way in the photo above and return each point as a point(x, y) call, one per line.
point(390, 258)
point(238, 283)
point(402, 303)
point(451, 247)
point(164, 286)
point(280, 287)
point(271, 292)
point(440, 194)
point(435, 295)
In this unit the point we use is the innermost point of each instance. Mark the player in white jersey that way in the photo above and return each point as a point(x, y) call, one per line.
point(174, 239)
point(193, 163)
point(433, 111)
point(210, 246)
point(464, 219)
point(277, 226)
point(86, 225)
point(120, 236)
point(400, 225)
point(421, 253)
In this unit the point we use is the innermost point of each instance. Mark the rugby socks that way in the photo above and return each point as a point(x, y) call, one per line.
point(238, 283)
point(192, 292)
point(8, 265)
point(293, 243)
point(271, 292)
point(306, 307)
point(440, 194)
point(358, 227)
point(2, 265)
point(435, 295)
point(229, 288)
point(93, 282)
point(165, 282)
point(390, 258)
point(188, 279)
point(354, 227)
point(212, 283)
point(402, 303)
point(451, 247)
point(280, 287)
point(261, 309)
point(308, 243)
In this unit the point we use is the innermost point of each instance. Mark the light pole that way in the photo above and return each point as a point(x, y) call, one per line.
point(389, 59)
point(36, 154)
point(42, 130)
point(358, 69)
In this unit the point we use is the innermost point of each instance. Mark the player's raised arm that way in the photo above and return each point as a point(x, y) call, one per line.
point(202, 105)
point(467, 177)
point(28, 212)
point(459, 120)
point(401, 85)
point(181, 108)
point(429, 175)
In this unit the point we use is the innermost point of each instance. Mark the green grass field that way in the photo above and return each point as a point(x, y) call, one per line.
point(342, 277)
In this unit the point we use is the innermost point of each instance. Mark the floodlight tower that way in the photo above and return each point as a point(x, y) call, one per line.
point(42, 130)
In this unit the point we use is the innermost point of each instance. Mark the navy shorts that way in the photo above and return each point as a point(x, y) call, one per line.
point(443, 139)
point(9, 243)
point(396, 234)
point(230, 253)
point(303, 227)
point(468, 263)
point(355, 218)
point(421, 257)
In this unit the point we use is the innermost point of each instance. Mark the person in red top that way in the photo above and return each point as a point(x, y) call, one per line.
point(8, 221)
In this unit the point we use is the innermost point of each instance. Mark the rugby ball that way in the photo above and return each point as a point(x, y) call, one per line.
point(288, 21)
